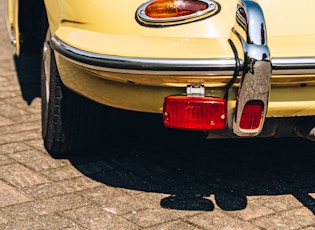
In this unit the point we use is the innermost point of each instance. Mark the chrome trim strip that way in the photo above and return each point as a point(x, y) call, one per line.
point(222, 67)
point(11, 36)
point(298, 65)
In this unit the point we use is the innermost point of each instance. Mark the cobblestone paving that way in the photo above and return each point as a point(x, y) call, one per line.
point(160, 180)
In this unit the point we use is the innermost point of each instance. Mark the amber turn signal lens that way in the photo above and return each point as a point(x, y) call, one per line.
point(175, 12)
point(174, 8)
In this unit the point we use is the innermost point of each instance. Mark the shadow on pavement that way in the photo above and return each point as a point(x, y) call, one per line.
point(190, 169)
point(28, 71)
point(147, 157)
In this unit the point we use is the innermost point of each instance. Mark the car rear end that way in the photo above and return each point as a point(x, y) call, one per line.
point(227, 68)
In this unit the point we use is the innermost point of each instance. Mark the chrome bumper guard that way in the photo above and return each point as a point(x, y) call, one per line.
point(250, 39)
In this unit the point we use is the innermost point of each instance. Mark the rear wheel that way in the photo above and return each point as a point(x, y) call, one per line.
point(70, 123)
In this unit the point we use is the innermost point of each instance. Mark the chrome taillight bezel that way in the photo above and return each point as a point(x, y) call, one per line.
point(142, 18)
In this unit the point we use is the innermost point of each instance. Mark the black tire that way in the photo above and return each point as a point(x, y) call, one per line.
point(71, 124)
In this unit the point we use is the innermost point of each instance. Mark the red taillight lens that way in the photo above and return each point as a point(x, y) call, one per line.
point(252, 115)
point(195, 113)
point(174, 8)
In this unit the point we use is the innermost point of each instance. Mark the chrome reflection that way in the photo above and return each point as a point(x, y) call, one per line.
point(297, 65)
point(153, 66)
point(249, 36)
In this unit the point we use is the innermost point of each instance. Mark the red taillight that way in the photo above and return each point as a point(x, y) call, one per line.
point(174, 8)
point(195, 113)
point(252, 115)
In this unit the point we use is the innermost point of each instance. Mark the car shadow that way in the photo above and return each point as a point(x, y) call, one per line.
point(147, 157)
point(28, 72)
point(144, 156)
point(151, 158)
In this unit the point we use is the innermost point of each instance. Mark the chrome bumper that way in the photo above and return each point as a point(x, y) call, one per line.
point(132, 65)
point(213, 67)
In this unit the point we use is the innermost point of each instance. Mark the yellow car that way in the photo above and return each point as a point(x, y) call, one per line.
point(228, 68)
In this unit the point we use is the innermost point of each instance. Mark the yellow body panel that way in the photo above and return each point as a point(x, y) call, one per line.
point(84, 25)
point(284, 101)
point(145, 46)
point(109, 28)
point(289, 33)
point(290, 27)
point(293, 40)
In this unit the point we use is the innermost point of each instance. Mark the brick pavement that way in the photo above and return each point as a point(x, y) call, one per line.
point(159, 181)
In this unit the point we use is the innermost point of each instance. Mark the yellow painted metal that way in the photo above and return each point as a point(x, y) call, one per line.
point(10, 5)
point(290, 26)
point(109, 27)
point(284, 101)
point(116, 94)
point(291, 101)
point(289, 34)
point(88, 25)
point(117, 17)
point(13, 12)
point(145, 46)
